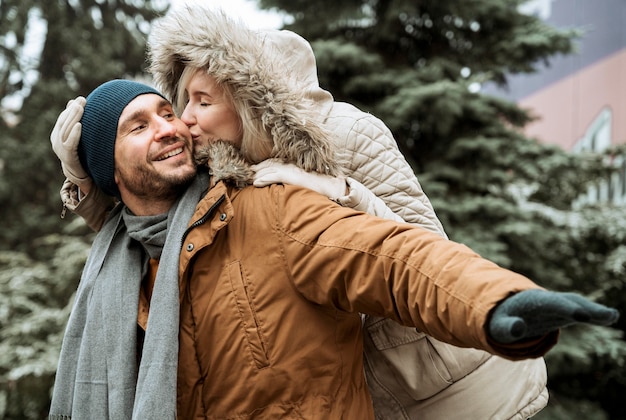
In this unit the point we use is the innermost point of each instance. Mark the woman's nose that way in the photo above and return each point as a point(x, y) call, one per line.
point(187, 117)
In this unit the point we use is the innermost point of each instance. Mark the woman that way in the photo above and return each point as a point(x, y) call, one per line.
point(223, 85)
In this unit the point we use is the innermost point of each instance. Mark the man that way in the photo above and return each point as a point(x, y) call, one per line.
point(255, 293)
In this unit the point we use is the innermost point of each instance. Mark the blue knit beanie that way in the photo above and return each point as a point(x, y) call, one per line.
point(96, 149)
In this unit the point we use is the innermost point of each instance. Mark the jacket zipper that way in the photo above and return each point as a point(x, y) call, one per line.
point(195, 225)
point(202, 219)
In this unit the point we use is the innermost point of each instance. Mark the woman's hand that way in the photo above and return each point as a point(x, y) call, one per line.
point(65, 137)
point(272, 171)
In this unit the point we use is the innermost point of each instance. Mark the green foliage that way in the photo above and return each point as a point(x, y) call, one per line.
point(85, 44)
point(14, 18)
point(562, 408)
point(484, 35)
point(33, 311)
point(588, 364)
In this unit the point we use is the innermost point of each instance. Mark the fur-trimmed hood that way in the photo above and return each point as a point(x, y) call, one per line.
point(225, 163)
point(250, 63)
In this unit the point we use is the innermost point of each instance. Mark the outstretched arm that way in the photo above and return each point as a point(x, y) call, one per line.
point(422, 280)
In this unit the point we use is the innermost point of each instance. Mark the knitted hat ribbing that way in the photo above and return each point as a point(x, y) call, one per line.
point(96, 149)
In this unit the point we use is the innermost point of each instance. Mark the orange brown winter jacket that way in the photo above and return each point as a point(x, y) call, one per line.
point(273, 281)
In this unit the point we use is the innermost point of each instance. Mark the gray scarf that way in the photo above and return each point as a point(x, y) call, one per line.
point(97, 375)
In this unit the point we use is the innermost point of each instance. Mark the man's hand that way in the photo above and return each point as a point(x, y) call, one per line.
point(533, 313)
point(272, 171)
point(65, 137)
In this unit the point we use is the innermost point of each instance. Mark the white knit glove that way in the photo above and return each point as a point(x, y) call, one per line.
point(272, 171)
point(65, 137)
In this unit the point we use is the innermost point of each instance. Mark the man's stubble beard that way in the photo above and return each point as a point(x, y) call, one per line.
point(150, 185)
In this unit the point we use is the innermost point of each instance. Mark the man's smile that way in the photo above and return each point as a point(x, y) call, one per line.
point(170, 153)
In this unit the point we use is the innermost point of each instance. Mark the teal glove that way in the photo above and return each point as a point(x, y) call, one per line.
point(533, 313)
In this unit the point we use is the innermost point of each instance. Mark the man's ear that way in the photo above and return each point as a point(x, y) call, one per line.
point(118, 181)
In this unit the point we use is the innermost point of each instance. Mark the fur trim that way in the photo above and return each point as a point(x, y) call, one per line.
point(197, 36)
point(225, 163)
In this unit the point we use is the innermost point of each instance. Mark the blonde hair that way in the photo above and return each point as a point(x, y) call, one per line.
point(256, 141)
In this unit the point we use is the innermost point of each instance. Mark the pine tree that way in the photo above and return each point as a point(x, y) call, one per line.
point(418, 65)
point(85, 43)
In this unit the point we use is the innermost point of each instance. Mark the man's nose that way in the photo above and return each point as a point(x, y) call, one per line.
point(167, 128)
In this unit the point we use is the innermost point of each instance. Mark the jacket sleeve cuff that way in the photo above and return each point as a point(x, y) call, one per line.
point(92, 208)
point(526, 349)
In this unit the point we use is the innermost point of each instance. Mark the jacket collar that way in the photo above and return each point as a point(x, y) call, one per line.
point(225, 163)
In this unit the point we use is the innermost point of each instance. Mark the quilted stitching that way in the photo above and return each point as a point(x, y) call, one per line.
point(372, 158)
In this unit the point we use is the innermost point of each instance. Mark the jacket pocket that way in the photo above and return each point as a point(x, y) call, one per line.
point(409, 363)
point(247, 313)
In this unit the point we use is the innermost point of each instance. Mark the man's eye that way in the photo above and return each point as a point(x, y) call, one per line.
point(138, 127)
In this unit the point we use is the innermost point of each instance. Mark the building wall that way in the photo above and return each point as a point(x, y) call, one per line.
point(572, 110)
point(576, 96)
